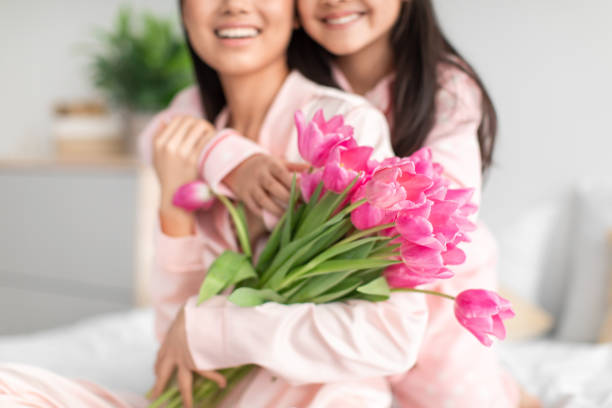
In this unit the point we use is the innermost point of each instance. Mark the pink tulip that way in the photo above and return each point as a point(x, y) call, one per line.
point(395, 185)
point(400, 276)
point(193, 196)
point(317, 138)
point(482, 312)
point(367, 216)
point(343, 165)
point(309, 183)
point(424, 261)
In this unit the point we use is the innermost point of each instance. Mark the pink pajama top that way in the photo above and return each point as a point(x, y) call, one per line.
point(331, 355)
point(453, 369)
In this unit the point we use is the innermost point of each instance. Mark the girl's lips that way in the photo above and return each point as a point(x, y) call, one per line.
point(341, 20)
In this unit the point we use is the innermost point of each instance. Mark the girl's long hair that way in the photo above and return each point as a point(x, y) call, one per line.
point(420, 48)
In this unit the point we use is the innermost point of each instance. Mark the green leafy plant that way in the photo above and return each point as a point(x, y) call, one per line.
point(142, 63)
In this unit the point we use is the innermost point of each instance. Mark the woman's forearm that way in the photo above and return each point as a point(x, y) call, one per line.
point(174, 221)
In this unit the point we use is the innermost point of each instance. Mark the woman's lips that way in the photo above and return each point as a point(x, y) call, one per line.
point(237, 32)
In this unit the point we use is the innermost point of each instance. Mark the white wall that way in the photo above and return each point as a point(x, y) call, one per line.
point(547, 63)
point(44, 60)
point(548, 66)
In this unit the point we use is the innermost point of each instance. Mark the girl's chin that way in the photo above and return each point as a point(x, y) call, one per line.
point(342, 48)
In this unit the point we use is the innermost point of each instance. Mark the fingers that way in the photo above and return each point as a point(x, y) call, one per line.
point(185, 383)
point(252, 205)
point(175, 141)
point(214, 376)
point(266, 203)
point(198, 148)
point(163, 137)
point(166, 369)
point(296, 167)
point(193, 136)
point(277, 190)
point(282, 174)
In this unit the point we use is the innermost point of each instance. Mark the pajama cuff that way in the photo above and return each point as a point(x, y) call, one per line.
point(178, 254)
point(226, 151)
point(204, 330)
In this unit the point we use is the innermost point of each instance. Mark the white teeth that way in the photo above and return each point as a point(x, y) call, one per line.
point(344, 19)
point(238, 32)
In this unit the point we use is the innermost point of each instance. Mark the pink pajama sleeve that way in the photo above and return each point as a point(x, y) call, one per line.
point(308, 343)
point(226, 151)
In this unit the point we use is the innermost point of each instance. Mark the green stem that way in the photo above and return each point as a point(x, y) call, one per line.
point(386, 251)
point(234, 378)
point(164, 397)
point(241, 229)
point(427, 292)
point(364, 233)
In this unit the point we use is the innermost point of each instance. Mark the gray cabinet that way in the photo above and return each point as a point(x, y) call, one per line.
point(67, 242)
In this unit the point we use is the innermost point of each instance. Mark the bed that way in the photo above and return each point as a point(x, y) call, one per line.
point(118, 351)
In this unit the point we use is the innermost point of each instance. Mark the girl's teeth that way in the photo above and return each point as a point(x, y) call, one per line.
point(343, 19)
point(239, 32)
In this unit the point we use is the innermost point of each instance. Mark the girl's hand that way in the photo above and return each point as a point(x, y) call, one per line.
point(174, 355)
point(263, 182)
point(176, 150)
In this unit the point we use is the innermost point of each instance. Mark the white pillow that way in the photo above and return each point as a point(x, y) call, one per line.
point(589, 280)
point(533, 247)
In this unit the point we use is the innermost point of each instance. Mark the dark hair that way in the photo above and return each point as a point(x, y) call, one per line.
point(420, 48)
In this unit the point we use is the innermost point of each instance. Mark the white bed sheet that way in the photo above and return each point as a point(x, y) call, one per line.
point(118, 351)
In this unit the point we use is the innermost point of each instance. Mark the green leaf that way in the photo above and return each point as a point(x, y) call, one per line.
point(340, 290)
point(241, 227)
point(339, 249)
point(293, 289)
point(337, 265)
point(318, 285)
point(287, 229)
point(377, 287)
point(249, 297)
point(270, 250)
point(360, 252)
point(324, 209)
point(228, 269)
point(314, 199)
point(306, 251)
point(300, 251)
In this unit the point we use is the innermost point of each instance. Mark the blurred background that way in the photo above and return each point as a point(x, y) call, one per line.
point(69, 114)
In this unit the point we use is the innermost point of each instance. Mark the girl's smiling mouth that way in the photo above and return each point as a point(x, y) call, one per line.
point(342, 19)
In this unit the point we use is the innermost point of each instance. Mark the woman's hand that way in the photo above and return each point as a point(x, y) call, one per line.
point(174, 355)
point(263, 182)
point(176, 150)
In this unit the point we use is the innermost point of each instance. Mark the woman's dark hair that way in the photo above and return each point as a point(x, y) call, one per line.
point(420, 48)
point(303, 54)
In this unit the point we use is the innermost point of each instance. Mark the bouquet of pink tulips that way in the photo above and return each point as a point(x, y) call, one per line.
point(364, 228)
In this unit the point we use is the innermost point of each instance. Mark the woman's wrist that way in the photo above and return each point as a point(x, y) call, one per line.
point(175, 221)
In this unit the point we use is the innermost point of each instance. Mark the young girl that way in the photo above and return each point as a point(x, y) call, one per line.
point(239, 50)
point(431, 97)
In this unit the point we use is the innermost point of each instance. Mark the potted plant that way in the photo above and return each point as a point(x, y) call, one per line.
point(140, 65)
